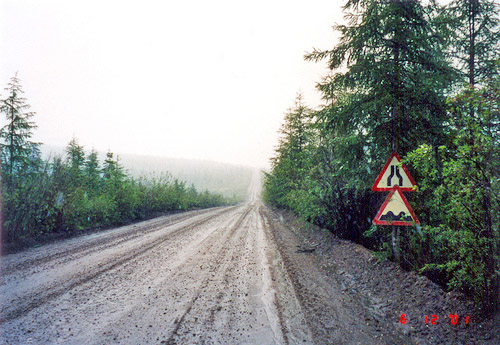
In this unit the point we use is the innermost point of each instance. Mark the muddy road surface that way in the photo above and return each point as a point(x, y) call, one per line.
point(232, 275)
point(207, 276)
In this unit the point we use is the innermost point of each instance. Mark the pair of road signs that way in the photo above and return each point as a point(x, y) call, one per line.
point(396, 179)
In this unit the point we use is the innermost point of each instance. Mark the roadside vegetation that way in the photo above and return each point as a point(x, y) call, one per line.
point(75, 191)
point(422, 80)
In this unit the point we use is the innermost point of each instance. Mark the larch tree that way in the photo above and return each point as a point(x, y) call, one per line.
point(75, 156)
point(391, 75)
point(475, 36)
point(92, 173)
point(22, 181)
point(17, 150)
point(112, 171)
point(289, 163)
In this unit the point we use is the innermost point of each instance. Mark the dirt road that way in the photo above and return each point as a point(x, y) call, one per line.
point(200, 277)
point(221, 276)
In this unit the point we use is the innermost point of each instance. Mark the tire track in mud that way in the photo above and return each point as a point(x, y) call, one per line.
point(290, 308)
point(222, 312)
point(279, 307)
point(228, 269)
point(215, 268)
point(180, 284)
point(36, 299)
point(103, 242)
point(320, 320)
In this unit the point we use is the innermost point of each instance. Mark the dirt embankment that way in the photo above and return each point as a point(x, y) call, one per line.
point(378, 292)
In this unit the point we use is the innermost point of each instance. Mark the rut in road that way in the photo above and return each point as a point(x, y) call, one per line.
point(213, 269)
point(219, 294)
point(209, 276)
point(93, 243)
point(41, 291)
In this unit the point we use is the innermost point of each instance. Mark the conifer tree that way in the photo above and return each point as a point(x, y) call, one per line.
point(75, 156)
point(476, 36)
point(392, 90)
point(92, 172)
point(112, 172)
point(17, 151)
point(290, 161)
point(294, 136)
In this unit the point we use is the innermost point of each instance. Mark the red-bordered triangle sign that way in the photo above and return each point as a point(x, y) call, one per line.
point(396, 210)
point(394, 174)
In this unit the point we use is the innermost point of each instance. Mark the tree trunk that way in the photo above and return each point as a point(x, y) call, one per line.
point(472, 40)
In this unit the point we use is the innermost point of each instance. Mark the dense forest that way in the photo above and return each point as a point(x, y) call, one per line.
point(75, 191)
point(421, 80)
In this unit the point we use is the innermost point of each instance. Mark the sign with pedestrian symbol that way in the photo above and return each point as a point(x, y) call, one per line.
point(393, 174)
point(396, 210)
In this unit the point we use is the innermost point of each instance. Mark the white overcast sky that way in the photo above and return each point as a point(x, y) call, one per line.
point(191, 79)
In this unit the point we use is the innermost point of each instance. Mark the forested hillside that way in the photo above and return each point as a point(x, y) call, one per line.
point(230, 180)
point(222, 178)
point(75, 190)
point(421, 80)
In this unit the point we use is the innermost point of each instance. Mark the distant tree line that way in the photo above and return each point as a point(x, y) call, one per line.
point(75, 191)
point(422, 80)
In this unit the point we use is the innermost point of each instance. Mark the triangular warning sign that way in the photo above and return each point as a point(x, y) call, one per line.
point(394, 174)
point(396, 210)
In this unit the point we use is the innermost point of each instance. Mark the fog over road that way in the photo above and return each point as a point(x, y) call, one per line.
point(214, 276)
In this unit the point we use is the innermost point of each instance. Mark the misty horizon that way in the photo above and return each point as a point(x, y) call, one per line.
point(195, 81)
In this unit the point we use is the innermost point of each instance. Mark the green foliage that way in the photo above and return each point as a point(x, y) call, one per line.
point(286, 186)
point(392, 90)
point(50, 200)
point(17, 152)
point(91, 174)
point(24, 205)
point(459, 196)
point(474, 32)
point(100, 210)
point(64, 195)
point(398, 85)
point(75, 155)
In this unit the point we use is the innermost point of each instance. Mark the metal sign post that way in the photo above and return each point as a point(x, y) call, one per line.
point(395, 243)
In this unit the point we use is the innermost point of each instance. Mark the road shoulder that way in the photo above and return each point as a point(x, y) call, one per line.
point(366, 297)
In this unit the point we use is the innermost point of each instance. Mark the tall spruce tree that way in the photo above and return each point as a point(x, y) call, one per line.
point(92, 172)
point(17, 150)
point(474, 119)
point(395, 75)
point(294, 136)
point(75, 156)
point(23, 181)
point(289, 163)
point(113, 172)
point(475, 37)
